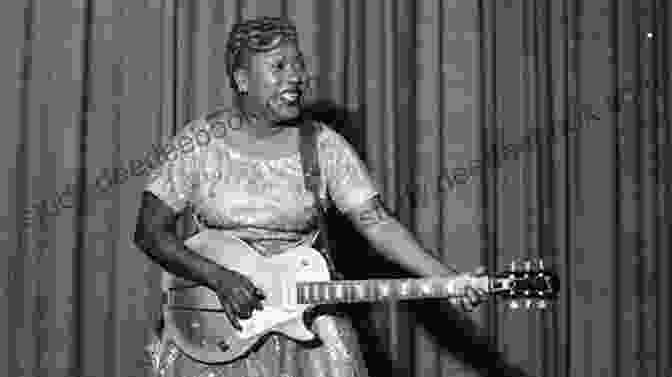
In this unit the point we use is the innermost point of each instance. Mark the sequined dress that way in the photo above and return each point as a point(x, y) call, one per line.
point(264, 202)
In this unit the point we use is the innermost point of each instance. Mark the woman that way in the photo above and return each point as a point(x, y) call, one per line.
point(248, 182)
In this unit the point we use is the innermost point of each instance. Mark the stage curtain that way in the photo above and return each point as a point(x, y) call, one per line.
point(497, 130)
point(575, 113)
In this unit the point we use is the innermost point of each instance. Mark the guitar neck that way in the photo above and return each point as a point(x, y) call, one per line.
point(340, 291)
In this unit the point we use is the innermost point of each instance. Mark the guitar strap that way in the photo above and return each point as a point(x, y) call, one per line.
point(312, 179)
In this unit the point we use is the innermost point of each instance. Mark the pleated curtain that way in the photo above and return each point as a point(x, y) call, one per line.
point(497, 130)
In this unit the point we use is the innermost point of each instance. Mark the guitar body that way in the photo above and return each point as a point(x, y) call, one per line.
point(193, 316)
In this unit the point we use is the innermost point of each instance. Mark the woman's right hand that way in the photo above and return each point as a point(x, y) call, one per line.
point(237, 295)
point(154, 236)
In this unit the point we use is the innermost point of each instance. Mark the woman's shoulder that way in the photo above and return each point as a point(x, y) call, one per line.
point(199, 134)
point(217, 116)
point(328, 138)
point(213, 123)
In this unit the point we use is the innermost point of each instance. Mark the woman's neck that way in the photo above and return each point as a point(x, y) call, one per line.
point(256, 123)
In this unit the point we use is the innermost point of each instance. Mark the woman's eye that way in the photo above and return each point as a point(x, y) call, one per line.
point(299, 66)
point(283, 65)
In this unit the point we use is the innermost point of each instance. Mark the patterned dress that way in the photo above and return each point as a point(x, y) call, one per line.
point(264, 202)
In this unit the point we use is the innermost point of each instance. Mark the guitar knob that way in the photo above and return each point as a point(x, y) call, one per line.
point(528, 303)
point(540, 264)
point(528, 266)
point(223, 345)
point(542, 304)
point(514, 304)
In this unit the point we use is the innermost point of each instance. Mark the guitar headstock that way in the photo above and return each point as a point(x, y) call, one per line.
point(527, 284)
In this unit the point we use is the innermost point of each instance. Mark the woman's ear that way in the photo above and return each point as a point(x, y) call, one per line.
point(240, 77)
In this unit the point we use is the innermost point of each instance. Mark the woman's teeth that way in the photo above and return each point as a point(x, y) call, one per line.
point(289, 96)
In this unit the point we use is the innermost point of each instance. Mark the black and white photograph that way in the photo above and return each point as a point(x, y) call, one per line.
point(336, 188)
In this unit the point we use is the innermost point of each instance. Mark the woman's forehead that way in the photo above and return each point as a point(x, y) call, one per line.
point(284, 49)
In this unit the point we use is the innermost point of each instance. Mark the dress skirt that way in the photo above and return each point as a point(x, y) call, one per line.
point(337, 354)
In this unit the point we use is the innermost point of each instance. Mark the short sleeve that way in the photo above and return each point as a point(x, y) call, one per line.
point(177, 174)
point(348, 180)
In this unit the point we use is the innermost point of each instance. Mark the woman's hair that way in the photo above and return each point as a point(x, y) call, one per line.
point(255, 35)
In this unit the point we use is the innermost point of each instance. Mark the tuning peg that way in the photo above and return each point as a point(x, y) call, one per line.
point(513, 266)
point(528, 303)
point(542, 304)
point(514, 304)
point(540, 264)
point(528, 265)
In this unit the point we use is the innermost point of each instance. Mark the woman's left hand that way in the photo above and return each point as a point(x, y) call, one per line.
point(470, 289)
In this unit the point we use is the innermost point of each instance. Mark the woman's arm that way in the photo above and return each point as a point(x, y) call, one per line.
point(348, 181)
point(155, 236)
point(394, 241)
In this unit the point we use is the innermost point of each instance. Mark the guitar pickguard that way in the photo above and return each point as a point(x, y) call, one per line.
point(264, 320)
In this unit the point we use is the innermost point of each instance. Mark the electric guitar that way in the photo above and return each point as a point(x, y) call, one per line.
point(294, 282)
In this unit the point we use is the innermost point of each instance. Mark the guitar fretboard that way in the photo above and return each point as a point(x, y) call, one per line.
point(372, 290)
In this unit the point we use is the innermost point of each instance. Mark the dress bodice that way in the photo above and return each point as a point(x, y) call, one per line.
point(260, 200)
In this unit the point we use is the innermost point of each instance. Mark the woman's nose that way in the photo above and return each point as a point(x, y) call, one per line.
point(295, 75)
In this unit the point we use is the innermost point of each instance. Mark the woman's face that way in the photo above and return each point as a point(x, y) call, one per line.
point(275, 82)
